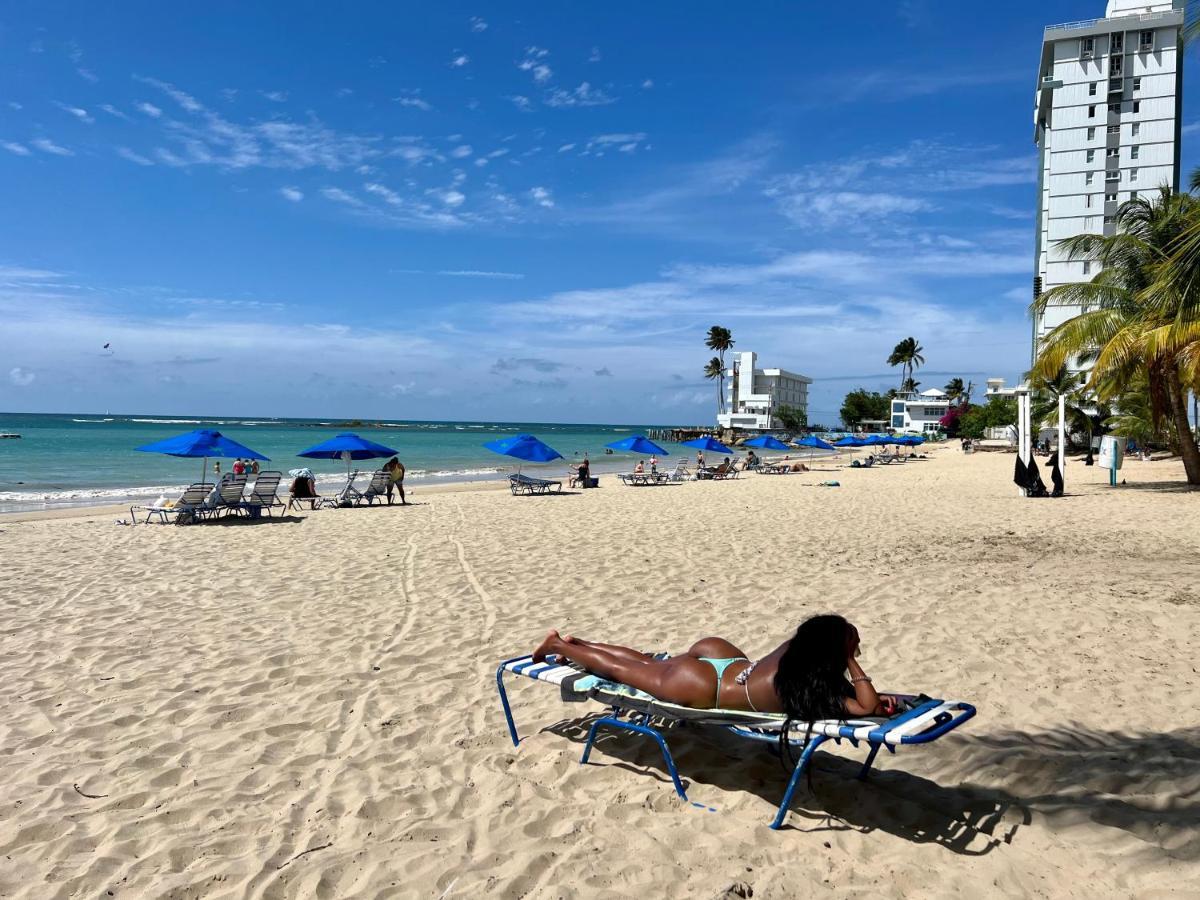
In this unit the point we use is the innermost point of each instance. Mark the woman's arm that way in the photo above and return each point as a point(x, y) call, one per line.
point(866, 700)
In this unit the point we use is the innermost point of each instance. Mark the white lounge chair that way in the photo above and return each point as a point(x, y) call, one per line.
point(189, 501)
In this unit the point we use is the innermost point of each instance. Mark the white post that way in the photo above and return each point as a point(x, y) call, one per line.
point(1062, 432)
point(1024, 446)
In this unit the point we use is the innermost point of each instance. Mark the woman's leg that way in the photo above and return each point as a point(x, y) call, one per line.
point(615, 649)
point(679, 680)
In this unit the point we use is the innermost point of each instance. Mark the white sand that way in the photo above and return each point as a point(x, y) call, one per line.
point(236, 696)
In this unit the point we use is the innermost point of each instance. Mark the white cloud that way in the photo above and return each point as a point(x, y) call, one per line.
point(291, 193)
point(113, 111)
point(133, 157)
point(48, 146)
point(81, 114)
point(13, 104)
point(566, 148)
point(274, 96)
point(453, 199)
point(595, 56)
point(521, 102)
point(150, 109)
point(647, 84)
point(541, 196)
point(459, 61)
point(412, 98)
point(21, 377)
point(482, 161)
point(476, 273)
point(185, 100)
point(14, 147)
point(337, 195)
point(461, 152)
point(626, 142)
point(477, 24)
point(848, 207)
point(496, 154)
point(87, 74)
point(584, 95)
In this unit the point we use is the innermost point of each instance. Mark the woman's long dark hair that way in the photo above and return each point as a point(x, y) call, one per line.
point(811, 679)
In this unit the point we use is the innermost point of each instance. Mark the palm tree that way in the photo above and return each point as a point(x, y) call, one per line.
point(715, 371)
point(1081, 417)
point(955, 390)
point(719, 339)
point(1141, 313)
point(907, 355)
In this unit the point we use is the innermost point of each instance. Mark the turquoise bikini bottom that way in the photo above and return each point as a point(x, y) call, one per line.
point(719, 666)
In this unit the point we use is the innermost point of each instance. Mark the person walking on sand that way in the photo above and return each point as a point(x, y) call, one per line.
point(395, 470)
point(699, 459)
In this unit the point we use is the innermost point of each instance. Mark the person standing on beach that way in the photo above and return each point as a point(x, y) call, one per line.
point(254, 468)
point(699, 459)
point(395, 469)
point(239, 467)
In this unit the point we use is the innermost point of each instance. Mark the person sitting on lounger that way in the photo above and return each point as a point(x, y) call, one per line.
point(804, 677)
point(639, 468)
point(304, 487)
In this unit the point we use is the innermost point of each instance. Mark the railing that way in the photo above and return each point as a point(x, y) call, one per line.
point(1089, 23)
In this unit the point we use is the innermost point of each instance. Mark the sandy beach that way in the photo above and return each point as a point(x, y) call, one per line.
point(307, 707)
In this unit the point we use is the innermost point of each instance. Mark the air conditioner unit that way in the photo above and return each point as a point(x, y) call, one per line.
point(1086, 54)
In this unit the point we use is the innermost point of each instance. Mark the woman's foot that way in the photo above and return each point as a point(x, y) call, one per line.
point(547, 646)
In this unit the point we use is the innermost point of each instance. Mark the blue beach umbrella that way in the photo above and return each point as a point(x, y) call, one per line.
point(767, 442)
point(202, 442)
point(637, 443)
point(347, 446)
point(523, 446)
point(850, 441)
point(707, 443)
point(815, 442)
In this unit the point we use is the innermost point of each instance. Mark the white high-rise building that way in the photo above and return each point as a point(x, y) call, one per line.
point(1107, 123)
point(754, 396)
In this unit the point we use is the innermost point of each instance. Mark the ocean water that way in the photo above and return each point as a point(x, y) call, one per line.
point(72, 460)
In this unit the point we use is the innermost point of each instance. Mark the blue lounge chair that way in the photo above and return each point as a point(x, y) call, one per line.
point(523, 484)
point(924, 720)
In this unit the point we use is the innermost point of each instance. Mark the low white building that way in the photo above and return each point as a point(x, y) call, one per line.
point(921, 413)
point(753, 396)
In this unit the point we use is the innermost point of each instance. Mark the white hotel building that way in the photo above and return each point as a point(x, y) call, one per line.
point(753, 395)
point(1107, 119)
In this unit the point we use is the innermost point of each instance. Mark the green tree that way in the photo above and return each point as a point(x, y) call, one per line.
point(792, 418)
point(998, 412)
point(1141, 312)
point(955, 390)
point(719, 339)
point(907, 355)
point(715, 371)
point(861, 404)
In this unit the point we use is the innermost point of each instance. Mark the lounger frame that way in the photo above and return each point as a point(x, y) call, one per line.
point(927, 721)
point(523, 484)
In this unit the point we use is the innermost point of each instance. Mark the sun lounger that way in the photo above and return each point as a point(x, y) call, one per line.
point(862, 464)
point(776, 469)
point(924, 720)
point(640, 479)
point(523, 484)
point(189, 501)
point(377, 488)
point(229, 497)
point(263, 495)
point(680, 473)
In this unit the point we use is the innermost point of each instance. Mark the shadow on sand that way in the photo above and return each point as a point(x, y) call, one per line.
point(987, 788)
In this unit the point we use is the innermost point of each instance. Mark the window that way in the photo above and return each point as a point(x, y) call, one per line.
point(1137, 106)
point(1114, 108)
point(1112, 152)
point(1137, 84)
point(1136, 129)
point(1133, 195)
point(1087, 267)
point(1087, 179)
point(1135, 152)
point(1146, 41)
point(1087, 201)
point(1115, 85)
point(1110, 220)
point(897, 421)
point(1091, 157)
point(1091, 112)
point(1112, 176)
point(1116, 42)
point(1092, 89)
point(1091, 134)
point(1087, 47)
point(1110, 198)
point(1114, 129)
point(1114, 65)
point(1133, 174)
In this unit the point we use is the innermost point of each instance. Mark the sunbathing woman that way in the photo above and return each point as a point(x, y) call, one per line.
point(804, 677)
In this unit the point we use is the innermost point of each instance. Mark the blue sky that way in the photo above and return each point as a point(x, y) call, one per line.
point(503, 211)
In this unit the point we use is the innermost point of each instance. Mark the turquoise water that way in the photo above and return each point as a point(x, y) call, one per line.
point(63, 460)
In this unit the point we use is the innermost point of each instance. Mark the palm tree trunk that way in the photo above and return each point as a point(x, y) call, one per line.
point(1179, 418)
